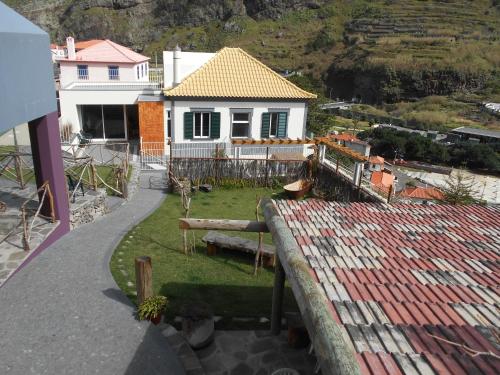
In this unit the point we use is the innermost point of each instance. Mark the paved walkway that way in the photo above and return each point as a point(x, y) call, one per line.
point(64, 314)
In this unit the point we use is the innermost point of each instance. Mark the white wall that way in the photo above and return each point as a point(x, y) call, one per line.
point(189, 62)
point(70, 99)
point(297, 113)
point(98, 72)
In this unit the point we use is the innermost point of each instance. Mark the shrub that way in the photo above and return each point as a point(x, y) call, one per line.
point(152, 307)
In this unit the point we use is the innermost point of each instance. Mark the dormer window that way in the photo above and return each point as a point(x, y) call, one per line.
point(114, 72)
point(82, 71)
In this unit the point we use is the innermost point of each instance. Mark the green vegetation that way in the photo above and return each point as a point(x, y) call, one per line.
point(430, 113)
point(152, 307)
point(388, 143)
point(459, 189)
point(224, 281)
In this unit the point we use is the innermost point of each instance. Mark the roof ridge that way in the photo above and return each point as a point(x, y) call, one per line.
point(270, 70)
point(112, 44)
point(222, 52)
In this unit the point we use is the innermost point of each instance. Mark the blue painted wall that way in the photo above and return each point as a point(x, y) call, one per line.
point(27, 88)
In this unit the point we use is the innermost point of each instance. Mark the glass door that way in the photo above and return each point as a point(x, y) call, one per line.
point(114, 122)
point(104, 122)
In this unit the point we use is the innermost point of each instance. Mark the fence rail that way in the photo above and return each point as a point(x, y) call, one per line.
point(156, 155)
point(250, 172)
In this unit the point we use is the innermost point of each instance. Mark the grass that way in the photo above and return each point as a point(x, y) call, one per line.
point(224, 281)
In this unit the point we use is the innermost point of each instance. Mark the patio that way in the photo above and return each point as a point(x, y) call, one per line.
point(12, 252)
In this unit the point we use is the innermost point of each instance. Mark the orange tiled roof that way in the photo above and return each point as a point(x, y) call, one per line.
point(419, 192)
point(376, 160)
point(233, 73)
point(383, 179)
point(345, 137)
point(86, 43)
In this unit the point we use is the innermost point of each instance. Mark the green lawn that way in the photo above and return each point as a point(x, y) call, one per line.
point(224, 281)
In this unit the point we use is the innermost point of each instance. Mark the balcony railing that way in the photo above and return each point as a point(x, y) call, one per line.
point(114, 85)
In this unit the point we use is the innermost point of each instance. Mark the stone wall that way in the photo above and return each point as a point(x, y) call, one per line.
point(88, 208)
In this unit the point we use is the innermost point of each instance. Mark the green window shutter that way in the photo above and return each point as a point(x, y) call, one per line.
point(215, 125)
point(282, 124)
point(266, 120)
point(188, 125)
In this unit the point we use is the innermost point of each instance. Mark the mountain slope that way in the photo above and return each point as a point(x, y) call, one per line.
point(381, 50)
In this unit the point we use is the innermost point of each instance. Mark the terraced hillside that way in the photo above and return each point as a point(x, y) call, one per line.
point(404, 49)
point(381, 51)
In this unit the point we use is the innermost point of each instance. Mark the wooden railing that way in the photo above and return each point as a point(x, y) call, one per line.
point(46, 193)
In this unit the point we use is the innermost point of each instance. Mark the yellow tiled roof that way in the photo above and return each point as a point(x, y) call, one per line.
point(233, 73)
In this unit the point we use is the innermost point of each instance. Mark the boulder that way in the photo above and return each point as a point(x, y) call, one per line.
point(198, 324)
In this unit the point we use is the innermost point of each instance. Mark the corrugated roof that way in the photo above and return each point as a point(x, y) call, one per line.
point(480, 132)
point(420, 192)
point(109, 52)
point(233, 73)
point(406, 281)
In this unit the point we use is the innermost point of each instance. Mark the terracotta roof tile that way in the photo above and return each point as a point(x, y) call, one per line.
point(398, 274)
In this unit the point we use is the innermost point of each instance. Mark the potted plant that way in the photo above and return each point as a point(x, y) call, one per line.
point(152, 309)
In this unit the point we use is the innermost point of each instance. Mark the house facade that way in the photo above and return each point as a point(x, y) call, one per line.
point(228, 95)
point(99, 89)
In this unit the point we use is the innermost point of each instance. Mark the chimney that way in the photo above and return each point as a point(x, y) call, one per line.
point(70, 46)
point(177, 61)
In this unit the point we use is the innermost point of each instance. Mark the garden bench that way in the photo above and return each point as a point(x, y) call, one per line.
point(216, 240)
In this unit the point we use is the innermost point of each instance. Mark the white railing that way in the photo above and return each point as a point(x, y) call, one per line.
point(113, 85)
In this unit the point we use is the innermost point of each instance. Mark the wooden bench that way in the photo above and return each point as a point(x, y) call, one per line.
point(216, 240)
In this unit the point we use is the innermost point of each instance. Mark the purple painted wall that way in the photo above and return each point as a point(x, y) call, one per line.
point(48, 165)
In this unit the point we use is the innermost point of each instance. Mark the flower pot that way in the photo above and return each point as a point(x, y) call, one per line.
point(156, 320)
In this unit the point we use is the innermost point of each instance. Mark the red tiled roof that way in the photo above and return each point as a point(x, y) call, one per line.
point(86, 43)
point(382, 179)
point(376, 160)
point(419, 192)
point(403, 278)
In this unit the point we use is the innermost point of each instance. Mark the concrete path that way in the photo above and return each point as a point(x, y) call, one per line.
point(64, 314)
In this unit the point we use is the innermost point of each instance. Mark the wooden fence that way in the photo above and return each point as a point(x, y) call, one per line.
point(248, 172)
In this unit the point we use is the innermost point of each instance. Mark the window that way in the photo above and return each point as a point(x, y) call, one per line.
point(137, 67)
point(201, 127)
point(142, 70)
point(274, 124)
point(82, 71)
point(240, 125)
point(146, 68)
point(113, 72)
point(169, 124)
point(273, 127)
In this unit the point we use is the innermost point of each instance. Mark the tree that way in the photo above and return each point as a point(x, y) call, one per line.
point(459, 189)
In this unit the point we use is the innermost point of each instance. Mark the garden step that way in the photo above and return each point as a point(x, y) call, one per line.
point(181, 347)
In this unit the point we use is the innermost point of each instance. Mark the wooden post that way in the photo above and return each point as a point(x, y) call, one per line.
point(278, 289)
point(211, 249)
point(19, 171)
point(51, 203)
point(267, 167)
point(26, 245)
point(389, 195)
point(143, 278)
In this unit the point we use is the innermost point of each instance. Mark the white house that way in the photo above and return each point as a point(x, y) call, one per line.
point(218, 97)
point(99, 89)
